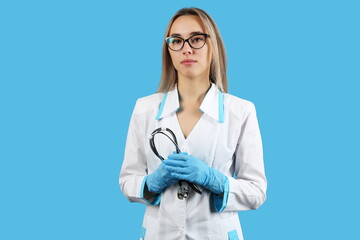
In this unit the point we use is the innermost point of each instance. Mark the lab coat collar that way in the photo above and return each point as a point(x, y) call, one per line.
point(212, 105)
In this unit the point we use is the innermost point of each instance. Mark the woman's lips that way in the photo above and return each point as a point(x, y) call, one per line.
point(188, 61)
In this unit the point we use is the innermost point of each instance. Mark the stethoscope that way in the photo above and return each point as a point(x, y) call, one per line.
point(183, 192)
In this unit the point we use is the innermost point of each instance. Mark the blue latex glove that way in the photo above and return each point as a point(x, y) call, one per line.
point(160, 179)
point(190, 168)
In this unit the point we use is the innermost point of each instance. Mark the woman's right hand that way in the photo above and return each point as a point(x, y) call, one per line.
point(160, 179)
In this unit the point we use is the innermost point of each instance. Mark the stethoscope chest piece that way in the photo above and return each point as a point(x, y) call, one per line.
point(182, 193)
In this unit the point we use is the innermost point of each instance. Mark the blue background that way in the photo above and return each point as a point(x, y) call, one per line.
point(71, 72)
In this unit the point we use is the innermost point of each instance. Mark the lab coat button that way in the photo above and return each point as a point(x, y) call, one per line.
point(180, 230)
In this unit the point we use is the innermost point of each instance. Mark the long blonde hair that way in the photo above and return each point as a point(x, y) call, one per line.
point(218, 62)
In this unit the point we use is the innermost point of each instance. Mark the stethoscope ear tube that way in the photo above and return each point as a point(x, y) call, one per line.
point(183, 193)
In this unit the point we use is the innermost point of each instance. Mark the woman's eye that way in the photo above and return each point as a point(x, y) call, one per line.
point(174, 41)
point(197, 39)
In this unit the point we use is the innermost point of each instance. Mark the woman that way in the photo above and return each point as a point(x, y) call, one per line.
point(195, 193)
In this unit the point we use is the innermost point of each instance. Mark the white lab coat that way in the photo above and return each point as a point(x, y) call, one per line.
point(226, 137)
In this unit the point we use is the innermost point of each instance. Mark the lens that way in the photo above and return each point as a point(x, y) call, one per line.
point(197, 41)
point(174, 43)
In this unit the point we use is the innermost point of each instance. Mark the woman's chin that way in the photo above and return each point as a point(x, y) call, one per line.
point(190, 74)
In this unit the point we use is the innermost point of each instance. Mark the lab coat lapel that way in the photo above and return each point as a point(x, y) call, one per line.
point(166, 118)
point(204, 137)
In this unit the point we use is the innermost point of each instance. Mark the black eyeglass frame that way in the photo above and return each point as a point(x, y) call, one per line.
point(187, 40)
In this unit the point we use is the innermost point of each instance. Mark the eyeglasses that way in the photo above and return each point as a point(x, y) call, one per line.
point(196, 41)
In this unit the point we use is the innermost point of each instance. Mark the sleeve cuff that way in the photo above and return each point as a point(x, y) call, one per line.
point(154, 200)
point(220, 201)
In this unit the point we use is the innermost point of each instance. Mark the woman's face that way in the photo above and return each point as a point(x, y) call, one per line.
point(190, 63)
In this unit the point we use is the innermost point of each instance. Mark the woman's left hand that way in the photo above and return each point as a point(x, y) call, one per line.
point(189, 168)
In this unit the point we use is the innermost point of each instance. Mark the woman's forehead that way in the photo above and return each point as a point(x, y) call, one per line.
point(186, 26)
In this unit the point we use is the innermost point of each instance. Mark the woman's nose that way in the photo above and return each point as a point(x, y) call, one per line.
point(187, 49)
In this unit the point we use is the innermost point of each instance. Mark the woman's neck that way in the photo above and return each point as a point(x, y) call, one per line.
point(193, 90)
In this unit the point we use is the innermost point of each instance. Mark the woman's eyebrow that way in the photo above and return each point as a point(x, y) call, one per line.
point(192, 33)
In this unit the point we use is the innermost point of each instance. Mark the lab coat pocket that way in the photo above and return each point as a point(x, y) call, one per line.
point(227, 227)
point(233, 227)
point(233, 235)
point(150, 223)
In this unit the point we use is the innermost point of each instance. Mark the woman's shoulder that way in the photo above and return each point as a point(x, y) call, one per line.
point(148, 103)
point(238, 105)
